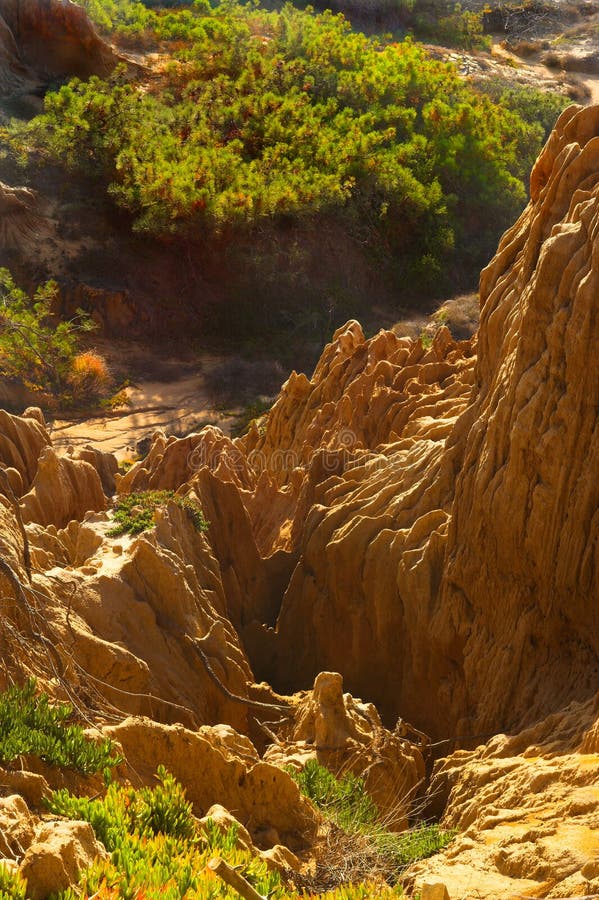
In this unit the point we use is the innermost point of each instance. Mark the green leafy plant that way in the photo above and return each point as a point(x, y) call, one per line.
point(288, 116)
point(417, 843)
point(36, 347)
point(158, 850)
point(30, 724)
point(361, 840)
point(134, 512)
point(12, 886)
point(344, 800)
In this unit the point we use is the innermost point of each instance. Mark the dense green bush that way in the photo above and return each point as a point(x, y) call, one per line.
point(344, 800)
point(288, 116)
point(29, 724)
point(540, 108)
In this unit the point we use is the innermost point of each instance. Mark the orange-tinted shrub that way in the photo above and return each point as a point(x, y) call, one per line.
point(89, 377)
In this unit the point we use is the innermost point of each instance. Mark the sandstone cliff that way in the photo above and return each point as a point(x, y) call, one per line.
point(427, 519)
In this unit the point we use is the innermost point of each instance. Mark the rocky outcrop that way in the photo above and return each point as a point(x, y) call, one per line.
point(21, 443)
point(48, 38)
point(265, 799)
point(350, 457)
point(526, 812)
point(21, 221)
point(63, 489)
point(523, 550)
point(60, 852)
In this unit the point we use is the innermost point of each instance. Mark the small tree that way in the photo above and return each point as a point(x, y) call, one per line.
point(36, 347)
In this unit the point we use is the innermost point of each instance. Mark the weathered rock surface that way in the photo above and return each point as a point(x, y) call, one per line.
point(357, 452)
point(21, 223)
point(521, 578)
point(63, 489)
point(17, 827)
point(60, 851)
point(21, 443)
point(526, 809)
point(264, 798)
point(47, 38)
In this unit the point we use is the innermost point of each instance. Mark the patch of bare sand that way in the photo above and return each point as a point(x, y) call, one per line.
point(178, 407)
point(535, 67)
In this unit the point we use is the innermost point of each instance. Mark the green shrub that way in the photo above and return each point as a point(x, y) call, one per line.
point(35, 346)
point(134, 513)
point(290, 116)
point(345, 803)
point(410, 846)
point(158, 850)
point(29, 724)
point(343, 800)
point(147, 812)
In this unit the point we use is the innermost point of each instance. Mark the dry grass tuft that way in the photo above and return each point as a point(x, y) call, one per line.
point(89, 377)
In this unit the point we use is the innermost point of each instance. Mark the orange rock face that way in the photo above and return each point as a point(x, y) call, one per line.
point(425, 521)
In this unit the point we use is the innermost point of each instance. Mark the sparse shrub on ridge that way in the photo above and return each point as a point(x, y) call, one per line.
point(134, 513)
point(43, 352)
point(358, 841)
point(89, 377)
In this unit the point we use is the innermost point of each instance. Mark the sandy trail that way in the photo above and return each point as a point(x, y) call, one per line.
point(178, 407)
point(534, 65)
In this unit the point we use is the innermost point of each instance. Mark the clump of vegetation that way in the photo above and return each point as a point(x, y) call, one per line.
point(540, 108)
point(447, 23)
point(342, 800)
point(253, 412)
point(158, 850)
point(29, 724)
point(134, 512)
point(122, 811)
point(286, 117)
point(43, 352)
point(12, 886)
point(359, 841)
point(89, 375)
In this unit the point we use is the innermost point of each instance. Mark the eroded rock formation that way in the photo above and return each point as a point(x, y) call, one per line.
point(428, 511)
point(422, 521)
point(526, 812)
